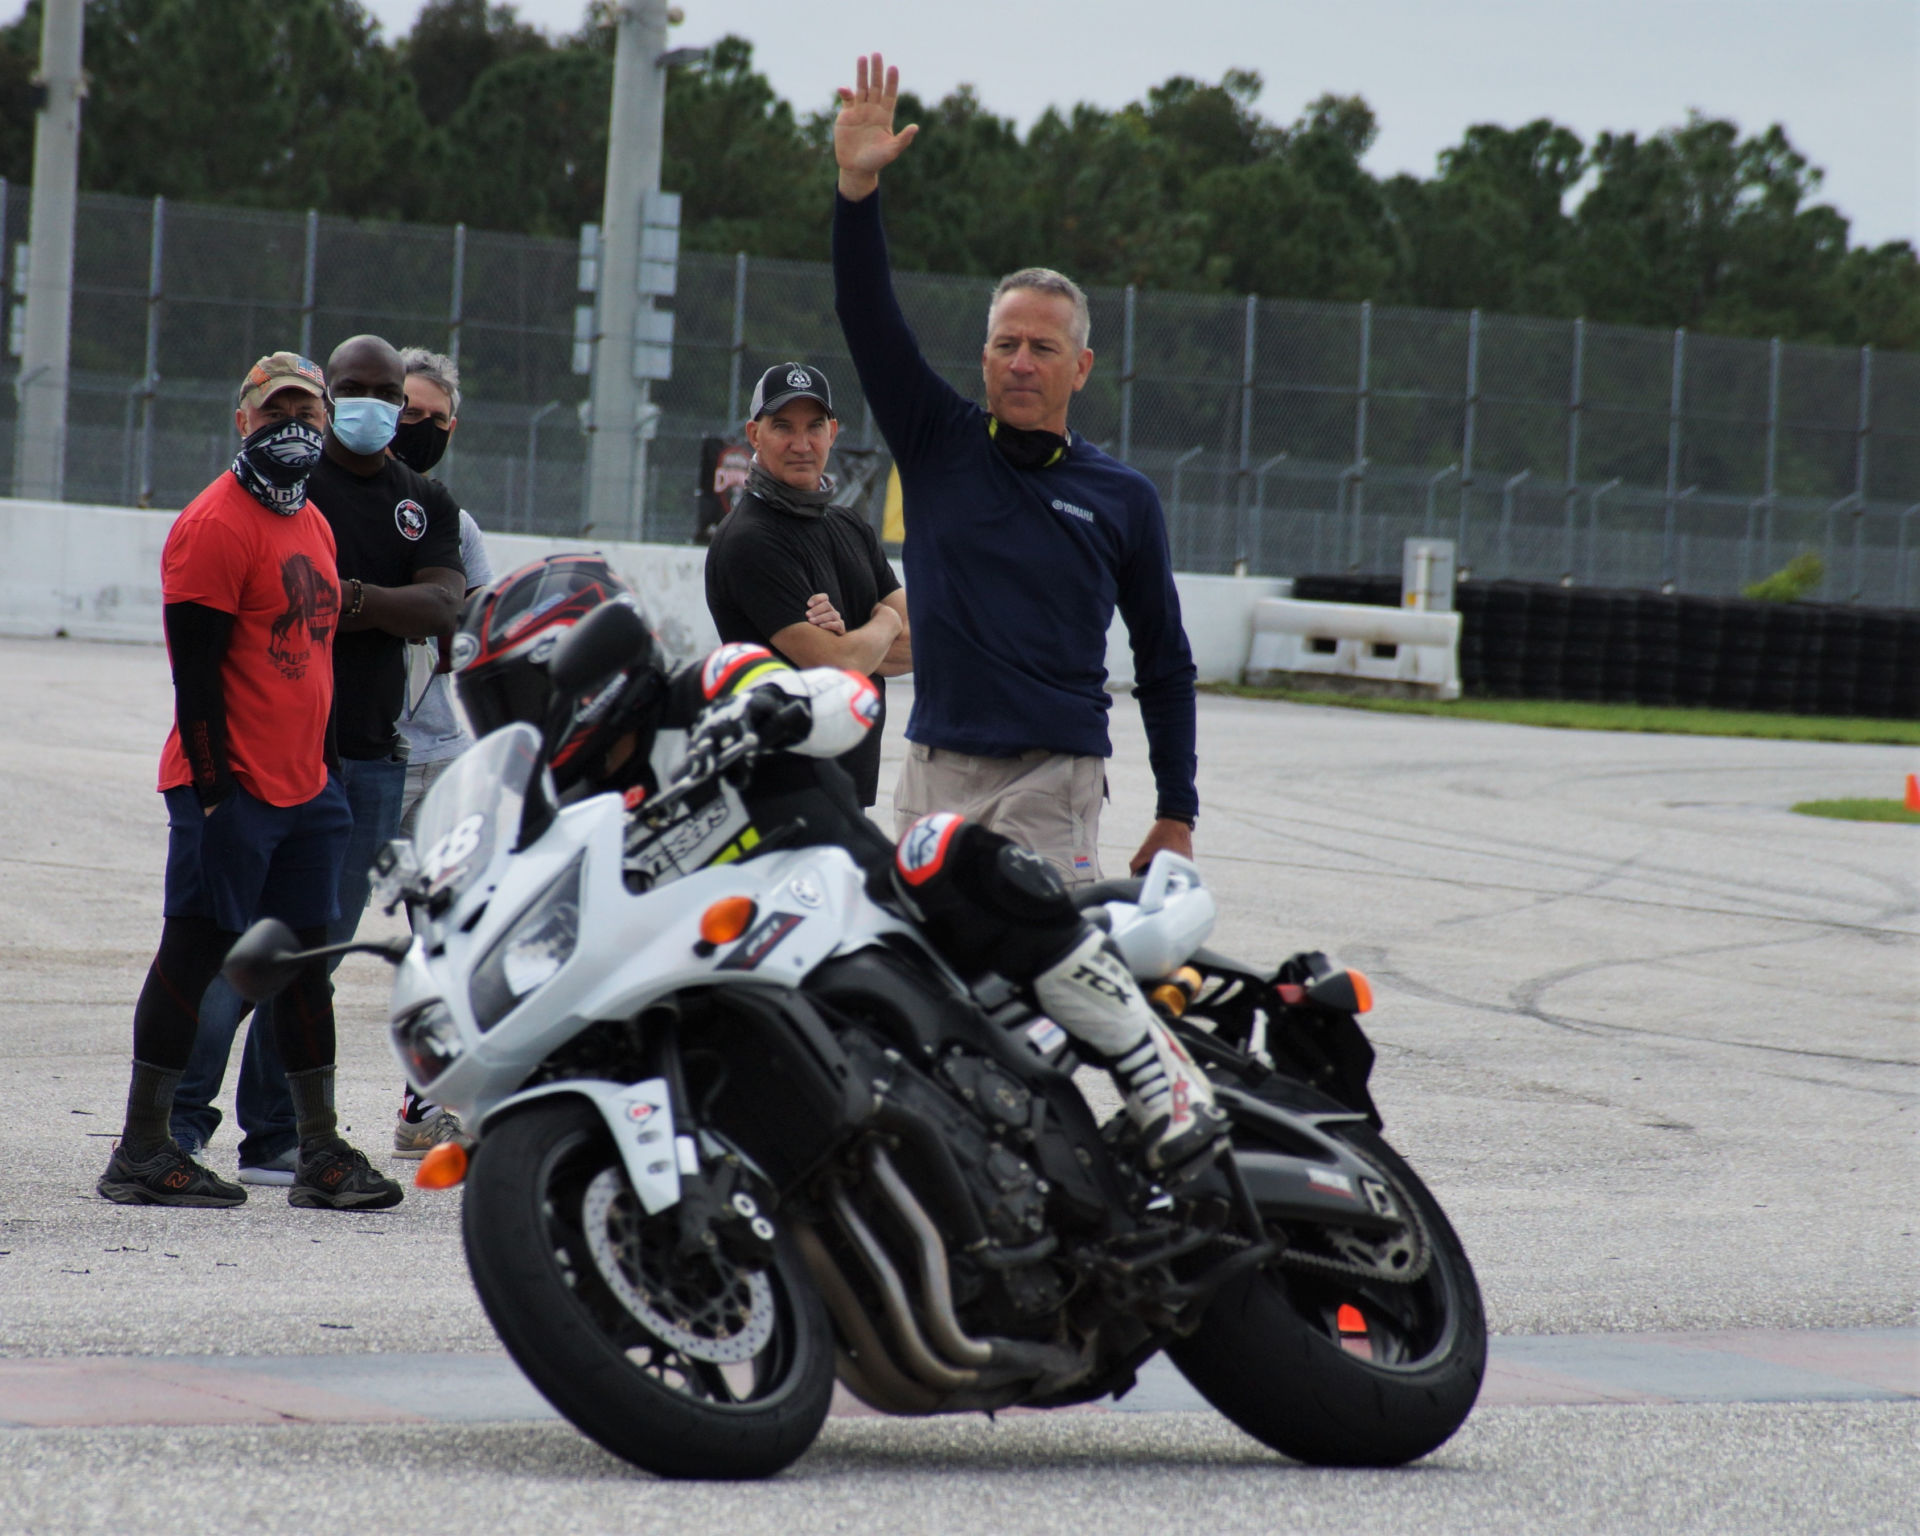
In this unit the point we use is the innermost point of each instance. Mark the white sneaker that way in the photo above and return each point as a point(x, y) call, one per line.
point(275, 1170)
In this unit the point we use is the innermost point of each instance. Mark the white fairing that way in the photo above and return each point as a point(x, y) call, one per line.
point(845, 707)
point(552, 941)
point(1172, 919)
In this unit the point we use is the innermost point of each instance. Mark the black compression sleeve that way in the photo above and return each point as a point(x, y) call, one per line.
point(197, 638)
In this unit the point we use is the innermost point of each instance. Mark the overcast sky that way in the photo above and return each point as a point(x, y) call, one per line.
point(1843, 76)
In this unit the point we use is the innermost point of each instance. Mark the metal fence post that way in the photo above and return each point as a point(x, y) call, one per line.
point(1260, 502)
point(533, 452)
point(1360, 395)
point(738, 351)
point(1673, 451)
point(1575, 403)
point(1900, 556)
point(1593, 528)
point(1433, 484)
point(307, 282)
point(1514, 482)
point(1246, 438)
point(1860, 470)
point(459, 291)
point(1466, 440)
point(155, 250)
point(1126, 378)
point(1179, 465)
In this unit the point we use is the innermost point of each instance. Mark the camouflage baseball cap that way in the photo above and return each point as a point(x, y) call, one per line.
point(277, 371)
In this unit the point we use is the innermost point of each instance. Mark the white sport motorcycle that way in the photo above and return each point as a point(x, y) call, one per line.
point(737, 1130)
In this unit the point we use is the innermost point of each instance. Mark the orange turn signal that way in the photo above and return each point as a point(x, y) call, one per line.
point(1362, 991)
point(1350, 1319)
point(1171, 998)
point(726, 919)
point(443, 1167)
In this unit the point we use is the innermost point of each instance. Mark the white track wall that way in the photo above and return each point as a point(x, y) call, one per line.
point(94, 573)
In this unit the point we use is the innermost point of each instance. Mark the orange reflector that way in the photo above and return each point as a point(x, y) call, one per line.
point(1349, 1319)
point(443, 1167)
point(1362, 991)
point(1170, 998)
point(726, 919)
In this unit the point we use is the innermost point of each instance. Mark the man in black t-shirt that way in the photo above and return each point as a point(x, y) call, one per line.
point(790, 571)
point(397, 537)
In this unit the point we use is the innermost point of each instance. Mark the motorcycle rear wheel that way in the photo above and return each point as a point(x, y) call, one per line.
point(693, 1370)
point(1341, 1371)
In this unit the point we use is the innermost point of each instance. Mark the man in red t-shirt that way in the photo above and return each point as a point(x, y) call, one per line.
point(257, 824)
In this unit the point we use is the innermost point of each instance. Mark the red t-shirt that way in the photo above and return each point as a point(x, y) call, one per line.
point(276, 576)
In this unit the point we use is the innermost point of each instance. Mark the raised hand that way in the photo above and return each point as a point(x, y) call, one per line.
point(864, 143)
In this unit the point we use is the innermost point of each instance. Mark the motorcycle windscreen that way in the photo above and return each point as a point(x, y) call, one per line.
point(472, 814)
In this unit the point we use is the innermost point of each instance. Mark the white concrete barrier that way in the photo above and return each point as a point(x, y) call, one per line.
point(94, 573)
point(1356, 645)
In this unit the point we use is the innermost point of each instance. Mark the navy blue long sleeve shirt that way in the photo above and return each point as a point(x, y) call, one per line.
point(1013, 575)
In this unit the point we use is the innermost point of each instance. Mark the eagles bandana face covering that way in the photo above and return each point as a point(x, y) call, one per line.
point(274, 462)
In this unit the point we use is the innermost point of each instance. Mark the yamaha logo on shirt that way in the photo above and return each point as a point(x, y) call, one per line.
point(411, 519)
point(1072, 511)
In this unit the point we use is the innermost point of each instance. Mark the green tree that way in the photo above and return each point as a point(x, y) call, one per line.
point(454, 42)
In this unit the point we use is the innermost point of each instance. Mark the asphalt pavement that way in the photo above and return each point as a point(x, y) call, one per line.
point(1649, 1036)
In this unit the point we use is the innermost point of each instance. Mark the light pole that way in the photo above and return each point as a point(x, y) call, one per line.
point(40, 448)
point(615, 455)
point(1668, 578)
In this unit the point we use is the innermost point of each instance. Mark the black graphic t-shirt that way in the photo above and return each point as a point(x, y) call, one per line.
point(763, 565)
point(388, 527)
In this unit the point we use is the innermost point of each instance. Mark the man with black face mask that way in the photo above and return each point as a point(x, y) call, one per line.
point(433, 732)
point(258, 822)
point(1022, 540)
point(398, 541)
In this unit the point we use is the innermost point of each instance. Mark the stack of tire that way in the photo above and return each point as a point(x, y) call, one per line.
point(1528, 640)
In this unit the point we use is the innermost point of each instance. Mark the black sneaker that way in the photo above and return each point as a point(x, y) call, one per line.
point(167, 1177)
point(338, 1177)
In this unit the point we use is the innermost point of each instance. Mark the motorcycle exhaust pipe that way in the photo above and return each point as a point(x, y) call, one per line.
point(869, 1373)
point(1007, 1359)
point(920, 1358)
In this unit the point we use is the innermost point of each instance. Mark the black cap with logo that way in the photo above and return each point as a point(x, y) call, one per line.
point(789, 381)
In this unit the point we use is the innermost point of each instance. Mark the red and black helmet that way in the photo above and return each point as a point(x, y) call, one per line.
point(508, 631)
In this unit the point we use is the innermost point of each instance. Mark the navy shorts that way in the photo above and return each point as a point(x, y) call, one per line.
point(250, 860)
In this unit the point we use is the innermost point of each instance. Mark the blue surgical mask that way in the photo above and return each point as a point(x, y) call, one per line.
point(363, 424)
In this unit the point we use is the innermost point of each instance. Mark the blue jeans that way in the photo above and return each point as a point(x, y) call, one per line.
point(262, 1104)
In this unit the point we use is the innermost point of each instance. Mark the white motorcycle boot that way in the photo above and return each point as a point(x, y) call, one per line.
point(1092, 996)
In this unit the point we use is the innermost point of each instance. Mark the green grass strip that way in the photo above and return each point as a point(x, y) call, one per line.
point(1568, 716)
point(1860, 810)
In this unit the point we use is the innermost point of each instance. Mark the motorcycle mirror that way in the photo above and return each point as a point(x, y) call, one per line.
point(597, 647)
point(263, 960)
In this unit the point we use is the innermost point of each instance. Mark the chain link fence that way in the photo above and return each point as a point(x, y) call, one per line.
point(1284, 436)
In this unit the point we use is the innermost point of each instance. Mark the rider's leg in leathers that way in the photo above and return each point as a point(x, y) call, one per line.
point(989, 904)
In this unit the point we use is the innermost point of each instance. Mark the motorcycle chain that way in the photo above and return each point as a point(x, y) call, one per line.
point(1416, 1229)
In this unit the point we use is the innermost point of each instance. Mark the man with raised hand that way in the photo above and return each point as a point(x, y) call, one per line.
point(1022, 538)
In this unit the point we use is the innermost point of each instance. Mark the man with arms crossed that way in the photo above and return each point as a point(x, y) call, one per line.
point(257, 823)
point(789, 571)
point(1021, 540)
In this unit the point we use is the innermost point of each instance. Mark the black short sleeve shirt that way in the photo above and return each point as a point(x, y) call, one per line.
point(763, 565)
point(388, 527)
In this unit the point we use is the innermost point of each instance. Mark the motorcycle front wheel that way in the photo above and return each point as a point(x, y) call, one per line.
point(1333, 1365)
point(687, 1367)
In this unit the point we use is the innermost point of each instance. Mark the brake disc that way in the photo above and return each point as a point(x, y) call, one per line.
point(712, 1311)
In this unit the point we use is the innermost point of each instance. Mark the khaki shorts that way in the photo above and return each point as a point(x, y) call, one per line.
point(1048, 801)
